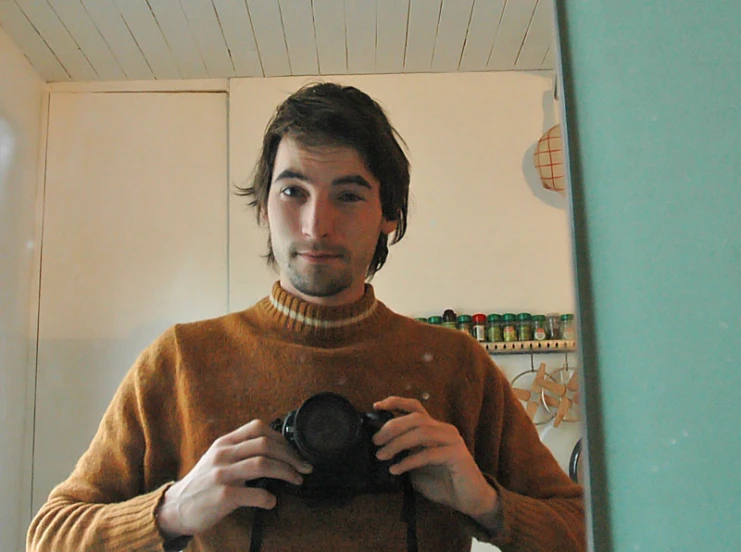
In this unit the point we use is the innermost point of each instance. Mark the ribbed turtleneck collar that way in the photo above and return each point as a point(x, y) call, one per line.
point(288, 312)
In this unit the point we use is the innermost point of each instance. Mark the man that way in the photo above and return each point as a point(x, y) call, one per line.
point(185, 454)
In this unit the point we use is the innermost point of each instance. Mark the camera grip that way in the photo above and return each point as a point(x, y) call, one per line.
point(261, 483)
point(377, 418)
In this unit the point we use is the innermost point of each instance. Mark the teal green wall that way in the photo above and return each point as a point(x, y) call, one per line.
point(652, 93)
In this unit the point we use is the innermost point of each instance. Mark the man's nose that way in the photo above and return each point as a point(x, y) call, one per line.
point(318, 218)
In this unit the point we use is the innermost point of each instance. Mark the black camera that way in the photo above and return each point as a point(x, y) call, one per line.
point(331, 435)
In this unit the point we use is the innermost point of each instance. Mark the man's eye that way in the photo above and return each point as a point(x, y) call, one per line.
point(291, 191)
point(350, 197)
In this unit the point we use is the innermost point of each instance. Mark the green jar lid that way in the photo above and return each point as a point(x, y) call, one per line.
point(464, 318)
point(539, 317)
point(493, 318)
point(524, 316)
point(421, 319)
point(509, 317)
point(567, 317)
point(435, 320)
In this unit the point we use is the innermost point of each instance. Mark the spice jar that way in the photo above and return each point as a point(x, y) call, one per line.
point(553, 325)
point(479, 327)
point(509, 327)
point(539, 330)
point(524, 327)
point(421, 319)
point(494, 328)
point(465, 324)
point(568, 328)
point(436, 320)
point(450, 319)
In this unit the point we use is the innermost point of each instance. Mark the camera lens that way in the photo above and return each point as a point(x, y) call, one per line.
point(327, 427)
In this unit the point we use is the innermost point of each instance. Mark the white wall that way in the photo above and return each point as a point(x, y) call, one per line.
point(135, 240)
point(22, 98)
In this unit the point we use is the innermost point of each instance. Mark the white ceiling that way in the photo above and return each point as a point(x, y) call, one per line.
point(111, 40)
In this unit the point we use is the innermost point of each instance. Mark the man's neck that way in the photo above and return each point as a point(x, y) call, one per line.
point(345, 297)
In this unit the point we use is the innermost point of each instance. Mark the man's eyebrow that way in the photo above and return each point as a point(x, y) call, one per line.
point(291, 174)
point(352, 179)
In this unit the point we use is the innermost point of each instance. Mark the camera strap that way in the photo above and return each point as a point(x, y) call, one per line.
point(257, 529)
point(408, 515)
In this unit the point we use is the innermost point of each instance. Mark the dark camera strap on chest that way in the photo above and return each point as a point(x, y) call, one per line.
point(409, 513)
point(408, 516)
point(257, 530)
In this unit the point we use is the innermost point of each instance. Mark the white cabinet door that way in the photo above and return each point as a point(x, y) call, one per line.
point(134, 240)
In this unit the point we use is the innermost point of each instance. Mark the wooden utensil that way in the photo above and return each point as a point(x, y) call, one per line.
point(535, 389)
point(525, 395)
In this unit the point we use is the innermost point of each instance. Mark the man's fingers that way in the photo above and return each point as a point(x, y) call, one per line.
point(251, 430)
point(434, 456)
point(255, 439)
point(409, 422)
point(255, 497)
point(415, 438)
point(401, 404)
point(262, 446)
point(258, 467)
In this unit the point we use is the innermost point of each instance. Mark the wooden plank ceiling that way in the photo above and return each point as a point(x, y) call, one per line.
point(109, 40)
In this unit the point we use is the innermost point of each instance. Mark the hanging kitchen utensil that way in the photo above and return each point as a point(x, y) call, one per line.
point(532, 397)
point(562, 390)
point(576, 471)
point(548, 159)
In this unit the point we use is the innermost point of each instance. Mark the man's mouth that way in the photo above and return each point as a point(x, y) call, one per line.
point(318, 256)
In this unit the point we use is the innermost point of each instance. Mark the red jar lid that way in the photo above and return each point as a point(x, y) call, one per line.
point(479, 319)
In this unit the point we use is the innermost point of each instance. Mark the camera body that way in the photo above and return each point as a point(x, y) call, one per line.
point(330, 434)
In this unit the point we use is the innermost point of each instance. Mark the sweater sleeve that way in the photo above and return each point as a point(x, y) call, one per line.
point(542, 509)
point(109, 500)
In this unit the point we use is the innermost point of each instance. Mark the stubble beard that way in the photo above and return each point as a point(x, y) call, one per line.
point(319, 281)
point(316, 280)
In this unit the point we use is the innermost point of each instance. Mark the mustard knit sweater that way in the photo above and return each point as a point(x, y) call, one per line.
point(201, 380)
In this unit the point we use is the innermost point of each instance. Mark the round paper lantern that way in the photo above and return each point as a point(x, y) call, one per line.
point(548, 159)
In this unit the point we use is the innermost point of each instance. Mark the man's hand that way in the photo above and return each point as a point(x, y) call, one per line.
point(440, 465)
point(217, 484)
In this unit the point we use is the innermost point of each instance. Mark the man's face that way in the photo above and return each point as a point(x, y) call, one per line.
point(324, 215)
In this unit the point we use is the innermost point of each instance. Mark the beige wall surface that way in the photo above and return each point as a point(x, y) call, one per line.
point(22, 98)
point(135, 238)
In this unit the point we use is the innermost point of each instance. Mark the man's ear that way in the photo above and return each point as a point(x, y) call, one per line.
point(388, 226)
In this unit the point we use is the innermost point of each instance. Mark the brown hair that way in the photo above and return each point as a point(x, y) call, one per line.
point(328, 114)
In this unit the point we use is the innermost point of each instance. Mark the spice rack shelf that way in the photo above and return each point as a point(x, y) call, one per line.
point(520, 347)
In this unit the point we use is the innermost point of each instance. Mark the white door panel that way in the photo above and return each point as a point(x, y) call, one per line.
point(135, 239)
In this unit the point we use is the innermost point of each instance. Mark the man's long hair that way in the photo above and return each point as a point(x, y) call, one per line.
point(329, 114)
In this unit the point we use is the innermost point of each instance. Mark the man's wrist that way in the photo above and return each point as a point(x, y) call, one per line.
point(164, 524)
point(490, 516)
point(174, 542)
point(167, 518)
